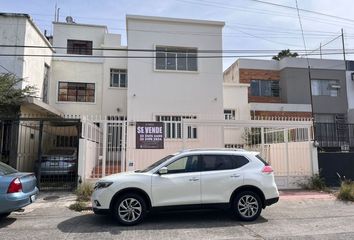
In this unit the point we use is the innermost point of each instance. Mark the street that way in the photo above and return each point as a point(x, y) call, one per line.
point(317, 216)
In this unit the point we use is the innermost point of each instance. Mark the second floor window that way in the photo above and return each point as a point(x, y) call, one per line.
point(118, 78)
point(76, 92)
point(177, 59)
point(79, 47)
point(265, 88)
point(325, 87)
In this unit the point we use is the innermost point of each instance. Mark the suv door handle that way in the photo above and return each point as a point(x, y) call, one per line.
point(235, 175)
point(194, 179)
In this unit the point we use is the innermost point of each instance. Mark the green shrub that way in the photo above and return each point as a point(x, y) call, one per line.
point(84, 192)
point(78, 206)
point(346, 191)
point(315, 182)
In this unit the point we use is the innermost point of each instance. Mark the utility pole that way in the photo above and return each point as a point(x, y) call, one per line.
point(345, 62)
point(321, 50)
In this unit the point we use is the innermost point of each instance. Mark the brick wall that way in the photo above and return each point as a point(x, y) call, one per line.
point(281, 114)
point(246, 75)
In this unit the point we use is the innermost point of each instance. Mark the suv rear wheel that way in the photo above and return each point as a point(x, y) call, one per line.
point(247, 206)
point(130, 209)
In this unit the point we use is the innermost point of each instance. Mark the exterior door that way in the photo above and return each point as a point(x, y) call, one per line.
point(220, 176)
point(180, 186)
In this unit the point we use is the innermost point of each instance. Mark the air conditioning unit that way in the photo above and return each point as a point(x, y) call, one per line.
point(335, 86)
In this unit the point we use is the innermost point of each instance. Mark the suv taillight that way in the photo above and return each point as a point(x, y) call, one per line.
point(267, 169)
point(15, 186)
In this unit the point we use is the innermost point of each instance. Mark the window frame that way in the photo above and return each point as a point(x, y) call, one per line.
point(79, 50)
point(223, 155)
point(173, 126)
point(119, 72)
point(76, 94)
point(322, 90)
point(178, 51)
point(231, 115)
point(272, 90)
point(189, 158)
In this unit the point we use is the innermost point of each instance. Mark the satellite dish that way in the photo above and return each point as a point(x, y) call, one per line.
point(69, 19)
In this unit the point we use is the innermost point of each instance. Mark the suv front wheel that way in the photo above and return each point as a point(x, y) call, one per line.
point(247, 206)
point(130, 209)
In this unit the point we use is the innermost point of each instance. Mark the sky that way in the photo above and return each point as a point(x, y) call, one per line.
point(249, 24)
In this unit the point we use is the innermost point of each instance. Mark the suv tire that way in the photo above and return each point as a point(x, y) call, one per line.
point(247, 206)
point(129, 209)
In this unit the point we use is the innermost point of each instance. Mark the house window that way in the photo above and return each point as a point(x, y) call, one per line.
point(119, 78)
point(265, 88)
point(229, 114)
point(79, 47)
point(173, 127)
point(177, 59)
point(76, 92)
point(325, 87)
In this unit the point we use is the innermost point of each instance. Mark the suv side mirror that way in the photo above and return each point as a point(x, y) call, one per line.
point(163, 170)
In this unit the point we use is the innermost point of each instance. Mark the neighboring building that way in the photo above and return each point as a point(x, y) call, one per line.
point(20, 30)
point(89, 85)
point(282, 88)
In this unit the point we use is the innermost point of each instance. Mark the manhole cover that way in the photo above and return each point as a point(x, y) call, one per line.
point(50, 198)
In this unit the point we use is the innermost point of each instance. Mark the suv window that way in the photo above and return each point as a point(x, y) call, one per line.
point(239, 161)
point(184, 164)
point(222, 162)
point(262, 160)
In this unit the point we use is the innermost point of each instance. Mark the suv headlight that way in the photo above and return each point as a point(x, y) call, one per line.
point(100, 185)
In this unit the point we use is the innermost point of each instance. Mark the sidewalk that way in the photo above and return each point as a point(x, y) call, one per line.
point(304, 194)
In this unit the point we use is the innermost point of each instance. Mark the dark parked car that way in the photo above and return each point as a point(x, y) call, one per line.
point(60, 161)
point(17, 189)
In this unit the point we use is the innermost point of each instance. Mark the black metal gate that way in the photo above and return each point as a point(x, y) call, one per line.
point(336, 165)
point(46, 146)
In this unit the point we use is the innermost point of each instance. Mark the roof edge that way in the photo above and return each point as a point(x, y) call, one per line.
point(175, 20)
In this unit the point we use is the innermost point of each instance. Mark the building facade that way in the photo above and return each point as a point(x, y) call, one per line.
point(283, 88)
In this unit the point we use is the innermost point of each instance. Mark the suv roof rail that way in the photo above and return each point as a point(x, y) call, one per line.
point(214, 149)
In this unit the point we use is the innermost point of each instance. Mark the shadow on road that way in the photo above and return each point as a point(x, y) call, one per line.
point(90, 223)
point(7, 221)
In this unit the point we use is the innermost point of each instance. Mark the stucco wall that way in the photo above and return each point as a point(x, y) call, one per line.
point(12, 32)
point(295, 88)
point(77, 72)
point(171, 92)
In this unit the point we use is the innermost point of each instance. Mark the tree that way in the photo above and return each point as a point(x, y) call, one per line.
point(285, 53)
point(11, 95)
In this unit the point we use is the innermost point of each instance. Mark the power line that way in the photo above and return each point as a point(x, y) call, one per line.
point(167, 51)
point(154, 57)
point(302, 10)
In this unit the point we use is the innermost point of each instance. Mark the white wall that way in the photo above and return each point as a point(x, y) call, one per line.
point(350, 96)
point(89, 70)
point(172, 92)
point(12, 32)
point(114, 98)
point(236, 98)
point(64, 31)
point(82, 72)
point(19, 30)
point(33, 67)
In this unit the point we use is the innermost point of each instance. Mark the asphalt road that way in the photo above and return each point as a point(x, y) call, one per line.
point(292, 218)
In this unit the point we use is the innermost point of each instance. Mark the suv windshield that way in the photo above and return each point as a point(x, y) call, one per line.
point(152, 166)
point(6, 169)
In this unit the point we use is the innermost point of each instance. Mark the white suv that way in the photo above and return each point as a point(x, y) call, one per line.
point(234, 179)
